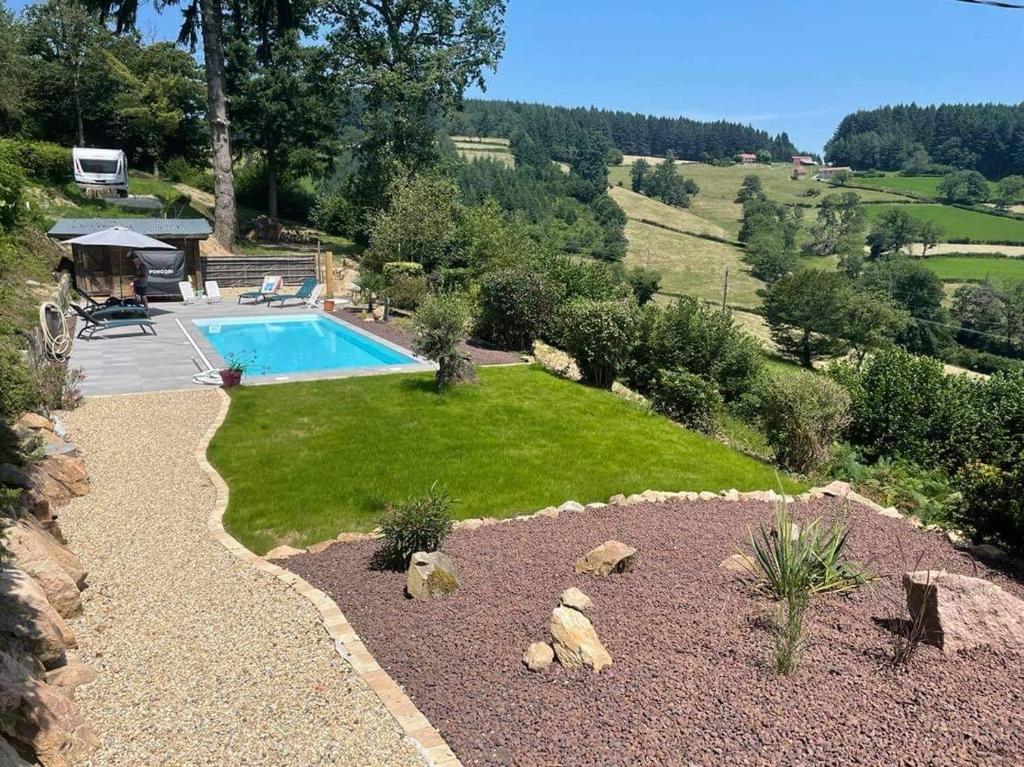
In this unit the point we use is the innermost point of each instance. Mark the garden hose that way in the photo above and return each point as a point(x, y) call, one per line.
point(58, 344)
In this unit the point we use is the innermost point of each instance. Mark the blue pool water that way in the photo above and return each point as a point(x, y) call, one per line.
point(297, 343)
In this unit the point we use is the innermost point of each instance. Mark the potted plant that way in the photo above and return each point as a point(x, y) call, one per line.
point(329, 304)
point(237, 365)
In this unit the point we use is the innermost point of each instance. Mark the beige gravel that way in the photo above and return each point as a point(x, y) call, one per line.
point(201, 659)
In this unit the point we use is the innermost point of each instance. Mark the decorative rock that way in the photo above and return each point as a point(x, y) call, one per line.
point(538, 656)
point(317, 548)
point(71, 676)
point(609, 557)
point(27, 615)
point(431, 575)
point(836, 488)
point(617, 500)
point(575, 642)
point(57, 570)
point(573, 506)
point(9, 757)
point(378, 314)
point(34, 421)
point(60, 448)
point(576, 599)
point(56, 731)
point(49, 488)
point(550, 511)
point(688, 495)
point(707, 495)
point(755, 495)
point(731, 495)
point(890, 511)
point(988, 552)
point(70, 472)
point(739, 563)
point(652, 496)
point(595, 506)
point(58, 427)
point(635, 498)
point(960, 612)
point(469, 524)
point(282, 552)
point(353, 537)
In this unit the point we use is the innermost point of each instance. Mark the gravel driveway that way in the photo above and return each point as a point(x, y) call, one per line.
point(201, 659)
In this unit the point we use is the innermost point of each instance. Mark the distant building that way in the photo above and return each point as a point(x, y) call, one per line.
point(799, 171)
point(802, 159)
point(828, 173)
point(746, 158)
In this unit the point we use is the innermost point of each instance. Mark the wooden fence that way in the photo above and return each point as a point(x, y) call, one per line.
point(241, 271)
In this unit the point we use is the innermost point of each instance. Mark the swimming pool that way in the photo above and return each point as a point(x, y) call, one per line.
point(297, 343)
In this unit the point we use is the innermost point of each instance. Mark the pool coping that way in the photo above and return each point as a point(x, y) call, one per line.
point(420, 364)
point(415, 727)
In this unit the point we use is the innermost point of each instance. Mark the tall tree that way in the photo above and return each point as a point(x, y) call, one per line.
point(202, 18)
point(15, 68)
point(841, 222)
point(410, 62)
point(805, 312)
point(62, 33)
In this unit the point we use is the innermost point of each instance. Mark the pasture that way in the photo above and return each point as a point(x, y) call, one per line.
point(471, 148)
point(975, 268)
point(927, 186)
point(960, 224)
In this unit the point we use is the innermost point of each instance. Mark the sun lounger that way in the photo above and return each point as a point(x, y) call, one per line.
point(91, 324)
point(213, 292)
point(302, 294)
point(188, 294)
point(314, 298)
point(270, 287)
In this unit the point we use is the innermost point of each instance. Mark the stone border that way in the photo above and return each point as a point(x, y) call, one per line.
point(417, 730)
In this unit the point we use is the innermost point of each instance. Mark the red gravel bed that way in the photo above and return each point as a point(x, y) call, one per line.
point(692, 681)
point(399, 332)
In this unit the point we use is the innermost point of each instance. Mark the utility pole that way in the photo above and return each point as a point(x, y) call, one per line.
point(725, 290)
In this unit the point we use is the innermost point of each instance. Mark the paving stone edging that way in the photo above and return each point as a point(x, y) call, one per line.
point(417, 729)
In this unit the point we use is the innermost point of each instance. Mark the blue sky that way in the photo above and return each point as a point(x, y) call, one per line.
point(795, 65)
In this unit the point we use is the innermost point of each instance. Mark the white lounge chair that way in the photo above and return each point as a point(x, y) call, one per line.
point(188, 294)
point(314, 297)
point(213, 292)
point(269, 288)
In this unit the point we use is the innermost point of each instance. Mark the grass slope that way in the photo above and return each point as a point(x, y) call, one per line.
point(960, 224)
point(471, 148)
point(306, 461)
point(975, 268)
point(923, 185)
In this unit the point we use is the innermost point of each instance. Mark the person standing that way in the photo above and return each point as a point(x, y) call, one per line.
point(141, 282)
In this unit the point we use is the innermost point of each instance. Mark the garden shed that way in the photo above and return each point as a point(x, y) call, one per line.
point(107, 271)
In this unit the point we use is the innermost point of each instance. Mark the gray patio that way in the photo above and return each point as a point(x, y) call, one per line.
point(123, 361)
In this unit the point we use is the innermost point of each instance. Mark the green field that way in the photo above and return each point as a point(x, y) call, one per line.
point(974, 268)
point(922, 185)
point(716, 200)
point(689, 265)
point(471, 148)
point(336, 452)
point(960, 224)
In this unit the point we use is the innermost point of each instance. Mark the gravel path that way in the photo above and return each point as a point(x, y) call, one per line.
point(692, 681)
point(201, 660)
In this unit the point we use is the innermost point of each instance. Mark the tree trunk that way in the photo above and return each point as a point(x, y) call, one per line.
point(225, 216)
point(805, 351)
point(78, 112)
point(271, 185)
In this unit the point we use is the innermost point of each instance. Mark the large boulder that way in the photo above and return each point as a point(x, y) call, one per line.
point(27, 616)
point(609, 557)
point(71, 677)
point(960, 612)
point(9, 757)
point(47, 487)
point(69, 471)
point(575, 642)
point(53, 566)
point(15, 476)
point(50, 723)
point(34, 421)
point(431, 575)
point(538, 656)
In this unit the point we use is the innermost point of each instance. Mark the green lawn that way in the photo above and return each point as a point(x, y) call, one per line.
point(306, 461)
point(960, 224)
point(923, 185)
point(975, 268)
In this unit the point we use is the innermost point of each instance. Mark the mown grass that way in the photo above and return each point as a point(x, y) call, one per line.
point(974, 268)
point(923, 185)
point(958, 223)
point(716, 200)
point(306, 461)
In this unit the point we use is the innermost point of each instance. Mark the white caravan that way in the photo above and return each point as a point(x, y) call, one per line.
point(101, 169)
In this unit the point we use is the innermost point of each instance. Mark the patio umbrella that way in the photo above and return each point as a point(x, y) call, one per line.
point(120, 237)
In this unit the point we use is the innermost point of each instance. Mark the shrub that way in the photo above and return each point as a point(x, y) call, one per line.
point(19, 391)
point(335, 214)
point(407, 292)
point(689, 399)
point(644, 282)
point(600, 336)
point(39, 160)
point(417, 524)
point(991, 504)
point(516, 305)
point(394, 269)
point(802, 416)
point(179, 169)
point(442, 322)
point(12, 190)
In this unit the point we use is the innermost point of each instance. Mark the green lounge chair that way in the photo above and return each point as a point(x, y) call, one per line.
point(91, 324)
point(302, 294)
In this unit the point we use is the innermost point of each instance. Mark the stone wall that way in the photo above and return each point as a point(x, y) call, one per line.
point(41, 581)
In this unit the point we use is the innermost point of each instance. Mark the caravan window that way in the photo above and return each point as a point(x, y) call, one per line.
point(97, 166)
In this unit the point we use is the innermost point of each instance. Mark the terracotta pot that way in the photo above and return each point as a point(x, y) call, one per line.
point(328, 304)
point(231, 378)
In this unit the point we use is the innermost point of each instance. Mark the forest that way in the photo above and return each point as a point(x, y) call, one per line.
point(560, 130)
point(988, 138)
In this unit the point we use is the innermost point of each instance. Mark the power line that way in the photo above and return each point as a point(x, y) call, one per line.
point(994, 3)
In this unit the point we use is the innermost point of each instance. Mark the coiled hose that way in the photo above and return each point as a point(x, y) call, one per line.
point(58, 343)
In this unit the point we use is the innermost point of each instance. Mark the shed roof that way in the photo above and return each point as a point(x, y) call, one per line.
point(187, 228)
